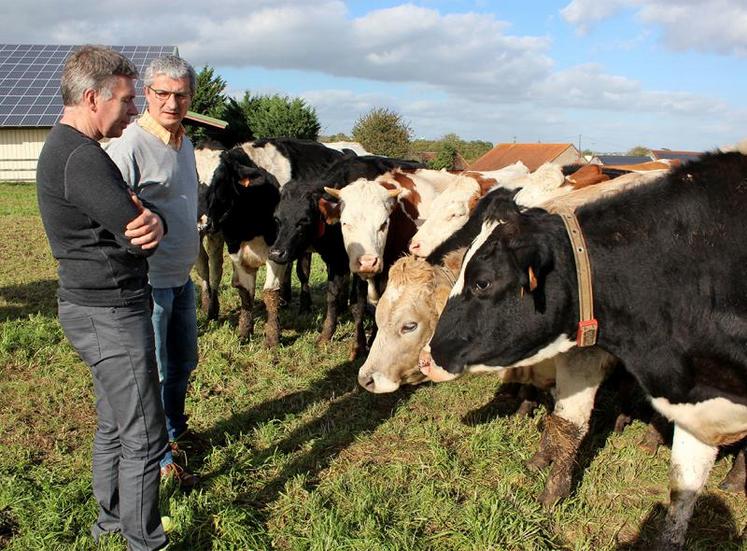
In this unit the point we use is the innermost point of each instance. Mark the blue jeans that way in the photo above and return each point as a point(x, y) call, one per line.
point(175, 327)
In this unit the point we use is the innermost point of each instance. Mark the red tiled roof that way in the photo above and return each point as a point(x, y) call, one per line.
point(533, 155)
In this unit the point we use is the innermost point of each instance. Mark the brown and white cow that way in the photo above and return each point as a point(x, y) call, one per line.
point(451, 209)
point(379, 217)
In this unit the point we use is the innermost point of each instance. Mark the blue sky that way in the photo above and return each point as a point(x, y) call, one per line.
point(608, 74)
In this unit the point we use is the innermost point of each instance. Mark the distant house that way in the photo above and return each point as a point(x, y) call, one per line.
point(683, 156)
point(426, 157)
point(30, 100)
point(619, 160)
point(533, 155)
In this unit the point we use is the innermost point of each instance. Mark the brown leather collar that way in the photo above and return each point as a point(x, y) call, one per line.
point(587, 325)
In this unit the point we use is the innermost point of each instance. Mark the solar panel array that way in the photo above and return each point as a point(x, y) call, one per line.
point(30, 80)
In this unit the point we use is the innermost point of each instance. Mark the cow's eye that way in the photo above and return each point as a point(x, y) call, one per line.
point(408, 327)
point(481, 285)
point(384, 225)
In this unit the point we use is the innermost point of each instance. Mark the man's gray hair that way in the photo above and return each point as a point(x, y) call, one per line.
point(173, 67)
point(93, 67)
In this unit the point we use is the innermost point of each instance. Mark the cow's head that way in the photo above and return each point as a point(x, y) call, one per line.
point(365, 208)
point(449, 211)
point(406, 316)
point(512, 302)
point(297, 220)
point(240, 196)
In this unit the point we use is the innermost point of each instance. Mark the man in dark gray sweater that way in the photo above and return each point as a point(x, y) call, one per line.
point(100, 235)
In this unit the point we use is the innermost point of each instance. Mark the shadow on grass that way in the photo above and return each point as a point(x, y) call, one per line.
point(712, 527)
point(29, 298)
point(351, 413)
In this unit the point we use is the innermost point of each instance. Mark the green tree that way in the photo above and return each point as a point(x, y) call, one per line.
point(208, 99)
point(639, 151)
point(383, 132)
point(445, 158)
point(279, 116)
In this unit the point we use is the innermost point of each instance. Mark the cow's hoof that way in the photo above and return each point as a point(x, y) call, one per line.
point(621, 422)
point(538, 461)
point(558, 486)
point(651, 440)
point(271, 340)
point(736, 479)
point(526, 408)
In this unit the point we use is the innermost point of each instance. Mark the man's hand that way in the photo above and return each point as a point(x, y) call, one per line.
point(145, 231)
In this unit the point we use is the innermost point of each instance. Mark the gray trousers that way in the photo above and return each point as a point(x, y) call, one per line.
point(118, 345)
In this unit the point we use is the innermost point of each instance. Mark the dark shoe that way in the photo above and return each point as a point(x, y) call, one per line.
point(190, 441)
point(182, 477)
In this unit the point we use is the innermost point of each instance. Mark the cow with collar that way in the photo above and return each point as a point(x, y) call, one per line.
point(668, 296)
point(242, 198)
point(306, 220)
point(406, 317)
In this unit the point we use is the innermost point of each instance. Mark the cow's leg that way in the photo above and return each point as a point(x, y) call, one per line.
point(579, 374)
point(691, 462)
point(214, 250)
point(359, 313)
point(285, 295)
point(272, 297)
point(736, 478)
point(245, 280)
point(335, 286)
point(204, 272)
point(303, 272)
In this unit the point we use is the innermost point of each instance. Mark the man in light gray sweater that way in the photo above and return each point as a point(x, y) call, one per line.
point(157, 161)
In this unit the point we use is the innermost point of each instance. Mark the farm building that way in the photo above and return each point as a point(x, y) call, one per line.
point(619, 160)
point(30, 100)
point(683, 156)
point(533, 155)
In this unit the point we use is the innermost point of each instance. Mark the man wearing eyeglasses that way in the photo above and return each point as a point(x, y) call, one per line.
point(157, 161)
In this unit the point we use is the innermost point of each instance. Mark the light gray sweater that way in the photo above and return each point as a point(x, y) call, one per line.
point(168, 179)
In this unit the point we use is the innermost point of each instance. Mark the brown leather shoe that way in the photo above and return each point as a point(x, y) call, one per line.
point(184, 478)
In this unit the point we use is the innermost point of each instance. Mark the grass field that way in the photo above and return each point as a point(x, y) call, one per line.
point(300, 456)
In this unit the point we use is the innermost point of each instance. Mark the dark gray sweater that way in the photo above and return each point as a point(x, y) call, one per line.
point(85, 206)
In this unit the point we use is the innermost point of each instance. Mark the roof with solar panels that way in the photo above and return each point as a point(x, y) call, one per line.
point(30, 82)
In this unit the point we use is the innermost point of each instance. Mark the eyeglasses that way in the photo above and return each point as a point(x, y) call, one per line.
point(164, 95)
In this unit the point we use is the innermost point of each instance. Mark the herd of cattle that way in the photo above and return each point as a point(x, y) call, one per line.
point(473, 271)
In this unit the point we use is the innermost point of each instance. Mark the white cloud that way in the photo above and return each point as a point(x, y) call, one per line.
point(710, 26)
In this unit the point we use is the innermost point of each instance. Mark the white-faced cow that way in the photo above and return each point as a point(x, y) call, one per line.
point(451, 209)
point(669, 297)
point(380, 216)
point(241, 202)
point(305, 220)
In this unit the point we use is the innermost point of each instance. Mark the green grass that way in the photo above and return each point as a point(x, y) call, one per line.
point(301, 458)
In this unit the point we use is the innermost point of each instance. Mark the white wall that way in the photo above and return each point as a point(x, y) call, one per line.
point(19, 151)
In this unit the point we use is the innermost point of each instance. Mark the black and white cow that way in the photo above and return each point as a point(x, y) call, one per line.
point(210, 259)
point(306, 220)
point(669, 295)
point(241, 201)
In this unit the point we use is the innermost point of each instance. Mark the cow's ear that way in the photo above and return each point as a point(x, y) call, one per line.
point(330, 211)
point(334, 192)
point(533, 262)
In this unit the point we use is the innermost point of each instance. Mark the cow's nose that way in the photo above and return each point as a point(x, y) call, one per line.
point(414, 247)
point(368, 262)
point(367, 382)
point(278, 255)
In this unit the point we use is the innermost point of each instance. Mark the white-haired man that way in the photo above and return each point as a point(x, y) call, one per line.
point(157, 160)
